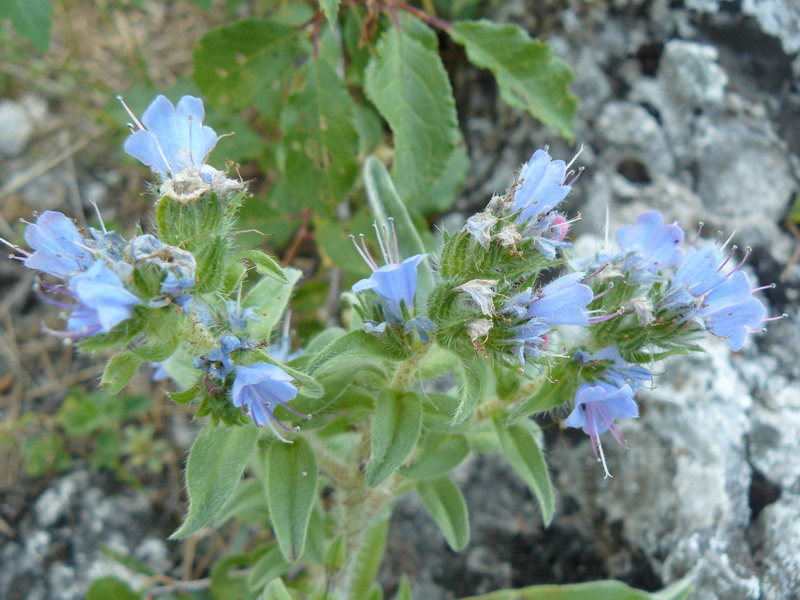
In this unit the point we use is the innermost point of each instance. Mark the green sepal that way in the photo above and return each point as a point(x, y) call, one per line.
point(184, 396)
point(186, 224)
point(122, 334)
point(212, 260)
point(395, 431)
point(446, 505)
point(234, 273)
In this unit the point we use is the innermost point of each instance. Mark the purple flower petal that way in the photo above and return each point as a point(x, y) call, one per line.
point(563, 301)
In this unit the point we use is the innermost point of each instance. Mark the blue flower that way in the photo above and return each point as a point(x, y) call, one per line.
point(597, 407)
point(102, 302)
point(395, 283)
point(616, 371)
point(218, 363)
point(650, 245)
point(529, 338)
point(261, 387)
point(729, 311)
point(60, 249)
point(563, 301)
point(238, 317)
point(171, 138)
point(541, 186)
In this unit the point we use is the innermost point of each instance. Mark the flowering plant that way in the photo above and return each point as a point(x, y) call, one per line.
point(336, 431)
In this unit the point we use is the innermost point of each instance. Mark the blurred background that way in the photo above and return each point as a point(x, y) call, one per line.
point(691, 107)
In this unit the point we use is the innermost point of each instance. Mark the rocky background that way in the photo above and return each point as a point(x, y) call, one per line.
point(690, 107)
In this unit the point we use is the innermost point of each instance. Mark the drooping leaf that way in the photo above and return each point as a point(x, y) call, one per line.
point(331, 10)
point(233, 64)
point(265, 264)
point(527, 73)
point(270, 566)
point(321, 141)
point(291, 491)
point(395, 430)
point(439, 455)
point(524, 455)
point(110, 587)
point(216, 462)
point(469, 388)
point(119, 371)
point(447, 506)
point(31, 18)
point(596, 590)
point(408, 84)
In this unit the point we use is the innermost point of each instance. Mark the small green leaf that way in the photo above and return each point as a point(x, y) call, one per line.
point(233, 64)
point(216, 462)
point(336, 553)
point(31, 18)
point(119, 371)
point(331, 10)
point(226, 584)
point(248, 499)
point(404, 589)
point(595, 590)
point(368, 558)
point(277, 591)
point(398, 419)
point(265, 265)
point(321, 141)
point(292, 489)
point(524, 455)
point(110, 587)
point(270, 566)
point(408, 84)
point(447, 506)
point(527, 73)
point(440, 454)
point(269, 298)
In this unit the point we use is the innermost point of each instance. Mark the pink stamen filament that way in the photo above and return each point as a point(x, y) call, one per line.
point(725, 262)
point(771, 286)
point(783, 316)
point(700, 226)
point(386, 256)
point(364, 253)
point(603, 293)
point(577, 176)
point(741, 264)
point(603, 318)
point(595, 274)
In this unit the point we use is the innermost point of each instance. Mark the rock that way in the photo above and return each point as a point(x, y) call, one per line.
point(16, 128)
point(777, 538)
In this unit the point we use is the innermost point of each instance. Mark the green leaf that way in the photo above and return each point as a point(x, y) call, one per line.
point(527, 73)
point(469, 388)
point(408, 84)
point(119, 371)
point(292, 489)
point(216, 462)
point(247, 500)
point(596, 590)
point(385, 202)
point(265, 265)
point(336, 554)
point(447, 506)
point(404, 589)
point(110, 587)
point(270, 566)
point(226, 584)
point(31, 18)
point(269, 298)
point(524, 455)
point(331, 10)
point(277, 591)
point(321, 141)
point(368, 558)
point(395, 431)
point(439, 455)
point(233, 64)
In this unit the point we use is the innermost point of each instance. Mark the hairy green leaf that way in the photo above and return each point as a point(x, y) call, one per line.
point(331, 10)
point(233, 64)
point(269, 298)
point(596, 590)
point(267, 568)
point(119, 371)
point(527, 73)
point(439, 455)
point(110, 587)
point(216, 462)
point(368, 558)
point(265, 264)
point(524, 455)
point(398, 419)
point(291, 491)
point(31, 18)
point(447, 506)
point(469, 388)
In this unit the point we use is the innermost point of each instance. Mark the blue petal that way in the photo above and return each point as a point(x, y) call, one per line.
point(143, 146)
point(564, 301)
point(654, 244)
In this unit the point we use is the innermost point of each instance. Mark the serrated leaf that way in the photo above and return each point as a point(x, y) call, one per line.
point(216, 462)
point(528, 75)
point(596, 590)
point(368, 558)
point(445, 503)
point(439, 455)
point(331, 10)
point(321, 141)
point(267, 568)
point(265, 265)
point(524, 455)
point(119, 371)
point(233, 64)
point(395, 431)
point(292, 489)
point(31, 18)
point(269, 298)
point(408, 84)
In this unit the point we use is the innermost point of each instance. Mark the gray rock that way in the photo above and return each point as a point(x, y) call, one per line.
point(16, 128)
point(778, 540)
